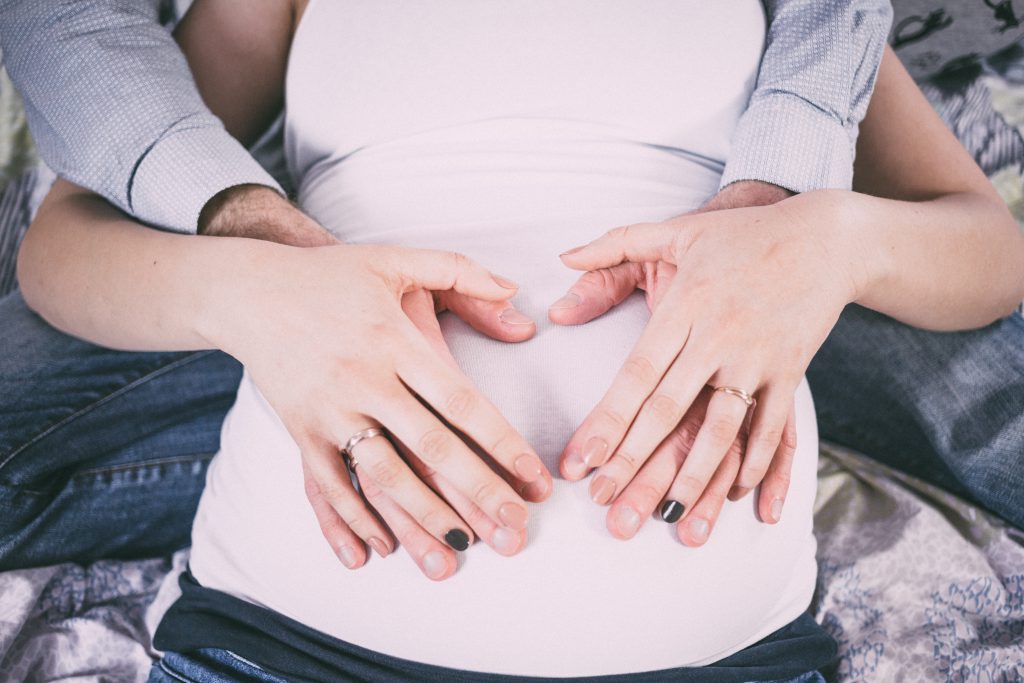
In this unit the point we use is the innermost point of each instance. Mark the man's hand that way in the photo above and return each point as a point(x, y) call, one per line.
point(635, 500)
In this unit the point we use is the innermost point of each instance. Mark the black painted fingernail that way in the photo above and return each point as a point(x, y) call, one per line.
point(671, 511)
point(457, 539)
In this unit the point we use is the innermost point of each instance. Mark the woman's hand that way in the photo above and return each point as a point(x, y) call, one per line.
point(354, 359)
point(740, 298)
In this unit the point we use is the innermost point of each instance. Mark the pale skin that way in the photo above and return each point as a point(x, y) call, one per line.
point(125, 286)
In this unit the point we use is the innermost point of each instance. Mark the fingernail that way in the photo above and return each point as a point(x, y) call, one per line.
point(699, 529)
point(628, 520)
point(594, 451)
point(504, 282)
point(572, 251)
point(574, 465)
point(511, 316)
point(777, 509)
point(536, 490)
point(457, 539)
point(527, 468)
point(504, 541)
point(570, 300)
point(513, 516)
point(435, 564)
point(347, 554)
point(602, 489)
point(379, 546)
point(672, 510)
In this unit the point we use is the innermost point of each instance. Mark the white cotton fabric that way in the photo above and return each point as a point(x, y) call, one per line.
point(512, 131)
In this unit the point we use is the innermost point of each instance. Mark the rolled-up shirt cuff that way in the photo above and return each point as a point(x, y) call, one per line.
point(185, 170)
point(787, 141)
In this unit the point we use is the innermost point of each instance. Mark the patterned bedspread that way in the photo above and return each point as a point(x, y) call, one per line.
point(914, 584)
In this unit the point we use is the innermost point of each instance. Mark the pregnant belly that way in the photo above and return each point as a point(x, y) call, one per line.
point(575, 601)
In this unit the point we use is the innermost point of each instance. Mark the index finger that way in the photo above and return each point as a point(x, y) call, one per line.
point(604, 428)
point(454, 397)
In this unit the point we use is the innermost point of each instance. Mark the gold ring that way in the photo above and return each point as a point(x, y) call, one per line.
point(740, 394)
point(346, 452)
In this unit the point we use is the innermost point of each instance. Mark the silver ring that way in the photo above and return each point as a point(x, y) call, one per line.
point(368, 433)
point(740, 394)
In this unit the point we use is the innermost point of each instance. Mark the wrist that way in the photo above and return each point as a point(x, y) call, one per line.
point(226, 300)
point(260, 212)
point(746, 193)
point(852, 237)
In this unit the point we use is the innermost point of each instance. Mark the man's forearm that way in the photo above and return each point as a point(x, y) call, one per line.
point(258, 212)
point(817, 74)
point(139, 133)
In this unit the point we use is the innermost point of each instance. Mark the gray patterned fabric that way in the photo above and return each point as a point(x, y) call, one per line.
point(914, 583)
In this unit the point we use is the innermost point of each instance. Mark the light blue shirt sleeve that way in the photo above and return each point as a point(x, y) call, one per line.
point(113, 107)
point(817, 74)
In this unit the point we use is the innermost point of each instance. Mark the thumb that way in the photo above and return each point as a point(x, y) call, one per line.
point(443, 270)
point(497, 319)
point(595, 293)
point(637, 243)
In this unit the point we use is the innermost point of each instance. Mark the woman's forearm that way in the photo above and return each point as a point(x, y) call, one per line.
point(954, 262)
point(96, 274)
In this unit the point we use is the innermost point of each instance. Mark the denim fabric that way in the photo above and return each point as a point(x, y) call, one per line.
point(223, 666)
point(210, 665)
point(945, 407)
point(102, 453)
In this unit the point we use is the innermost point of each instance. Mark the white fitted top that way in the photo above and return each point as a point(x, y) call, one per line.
point(511, 131)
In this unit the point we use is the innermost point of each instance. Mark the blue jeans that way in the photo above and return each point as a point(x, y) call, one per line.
point(946, 407)
point(103, 453)
point(221, 666)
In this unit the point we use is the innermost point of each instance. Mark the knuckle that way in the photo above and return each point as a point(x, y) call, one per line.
point(767, 439)
point(434, 446)
point(385, 474)
point(665, 409)
point(751, 475)
point(640, 369)
point(475, 517)
point(372, 494)
point(613, 417)
point(692, 485)
point(646, 496)
point(684, 436)
point(782, 477)
point(499, 445)
point(355, 522)
point(460, 403)
point(788, 440)
point(335, 493)
point(460, 261)
point(722, 432)
point(432, 519)
point(484, 492)
point(630, 459)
